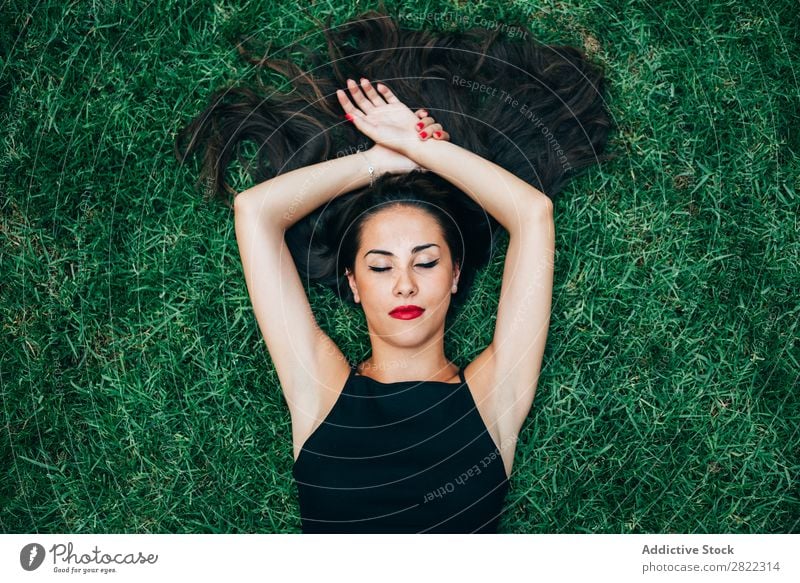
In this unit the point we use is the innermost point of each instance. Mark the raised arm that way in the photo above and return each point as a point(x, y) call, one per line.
point(523, 313)
point(523, 316)
point(299, 348)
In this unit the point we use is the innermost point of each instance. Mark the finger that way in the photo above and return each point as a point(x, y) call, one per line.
point(425, 122)
point(427, 132)
point(387, 94)
point(421, 113)
point(372, 95)
point(346, 104)
point(361, 101)
point(441, 135)
point(352, 113)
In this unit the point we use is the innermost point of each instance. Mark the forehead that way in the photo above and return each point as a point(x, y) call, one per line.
point(400, 230)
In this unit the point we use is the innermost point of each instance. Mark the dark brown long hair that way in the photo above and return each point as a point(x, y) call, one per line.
point(538, 111)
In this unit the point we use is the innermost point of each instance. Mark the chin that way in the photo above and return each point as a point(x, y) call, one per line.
point(407, 337)
point(402, 333)
point(413, 336)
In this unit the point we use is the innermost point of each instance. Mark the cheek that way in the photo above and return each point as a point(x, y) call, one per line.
point(374, 294)
point(438, 284)
point(446, 281)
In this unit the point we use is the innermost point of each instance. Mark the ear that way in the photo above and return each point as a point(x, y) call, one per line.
point(351, 279)
point(456, 273)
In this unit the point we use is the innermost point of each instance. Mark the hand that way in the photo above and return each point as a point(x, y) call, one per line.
point(384, 119)
point(386, 160)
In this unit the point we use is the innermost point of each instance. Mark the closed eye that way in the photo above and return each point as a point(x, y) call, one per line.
point(427, 265)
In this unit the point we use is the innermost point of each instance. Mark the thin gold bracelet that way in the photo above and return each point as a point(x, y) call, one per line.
point(371, 169)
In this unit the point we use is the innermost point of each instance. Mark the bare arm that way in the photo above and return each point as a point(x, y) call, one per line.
point(506, 197)
point(282, 201)
point(523, 313)
point(287, 198)
point(509, 199)
point(299, 348)
point(517, 348)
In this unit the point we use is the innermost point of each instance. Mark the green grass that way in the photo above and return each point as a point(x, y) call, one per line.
point(138, 395)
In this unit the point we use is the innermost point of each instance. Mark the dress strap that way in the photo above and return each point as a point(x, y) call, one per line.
point(461, 374)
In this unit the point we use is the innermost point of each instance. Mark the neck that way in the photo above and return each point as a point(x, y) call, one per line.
point(390, 364)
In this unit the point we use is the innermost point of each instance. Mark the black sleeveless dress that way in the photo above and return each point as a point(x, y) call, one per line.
point(402, 457)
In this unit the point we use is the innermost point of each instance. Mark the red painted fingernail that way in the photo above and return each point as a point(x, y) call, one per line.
point(437, 134)
point(348, 116)
point(423, 135)
point(420, 125)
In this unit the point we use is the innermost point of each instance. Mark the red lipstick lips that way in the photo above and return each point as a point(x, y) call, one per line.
point(406, 312)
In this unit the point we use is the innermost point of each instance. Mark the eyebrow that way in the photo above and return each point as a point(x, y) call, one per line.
point(416, 249)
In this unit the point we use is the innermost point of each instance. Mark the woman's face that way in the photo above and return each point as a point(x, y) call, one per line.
point(390, 272)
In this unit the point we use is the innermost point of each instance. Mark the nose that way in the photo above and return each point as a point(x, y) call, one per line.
point(405, 284)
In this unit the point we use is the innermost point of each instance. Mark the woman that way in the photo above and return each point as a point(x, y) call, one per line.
point(406, 441)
